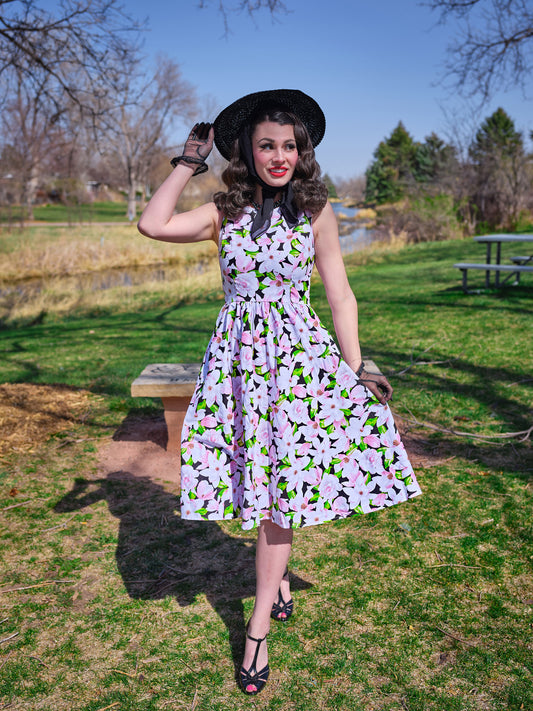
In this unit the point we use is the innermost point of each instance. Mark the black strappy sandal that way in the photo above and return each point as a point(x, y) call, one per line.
point(281, 610)
point(251, 677)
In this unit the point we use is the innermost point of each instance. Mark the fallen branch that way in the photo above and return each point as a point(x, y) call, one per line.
point(59, 525)
point(449, 634)
point(40, 661)
point(15, 506)
point(6, 660)
point(504, 435)
point(39, 585)
point(6, 639)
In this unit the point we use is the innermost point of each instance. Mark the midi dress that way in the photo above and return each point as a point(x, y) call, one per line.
point(279, 426)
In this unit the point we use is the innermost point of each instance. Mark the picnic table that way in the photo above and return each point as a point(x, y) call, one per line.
point(519, 263)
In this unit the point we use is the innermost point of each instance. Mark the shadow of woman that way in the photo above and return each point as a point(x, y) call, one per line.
point(158, 554)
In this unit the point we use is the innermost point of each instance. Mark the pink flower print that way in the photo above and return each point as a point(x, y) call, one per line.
point(372, 441)
point(353, 477)
point(299, 412)
point(284, 345)
point(344, 377)
point(379, 500)
point(299, 391)
point(204, 491)
point(246, 284)
point(215, 507)
point(370, 461)
point(312, 476)
point(340, 506)
point(264, 240)
point(187, 448)
point(329, 486)
point(274, 291)
point(247, 359)
point(331, 363)
point(359, 395)
point(188, 477)
point(312, 429)
point(330, 411)
point(246, 338)
point(243, 262)
point(303, 449)
point(208, 421)
point(189, 507)
point(386, 480)
point(322, 451)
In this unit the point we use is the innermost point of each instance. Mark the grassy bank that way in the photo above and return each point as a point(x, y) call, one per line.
point(111, 602)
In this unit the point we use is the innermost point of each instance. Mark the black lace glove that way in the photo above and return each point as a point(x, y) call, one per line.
point(376, 383)
point(197, 147)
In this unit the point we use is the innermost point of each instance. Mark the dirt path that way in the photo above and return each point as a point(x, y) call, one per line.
point(30, 414)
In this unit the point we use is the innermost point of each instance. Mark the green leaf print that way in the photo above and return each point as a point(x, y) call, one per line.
point(228, 511)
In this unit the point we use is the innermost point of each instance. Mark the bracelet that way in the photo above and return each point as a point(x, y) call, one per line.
point(202, 167)
point(359, 370)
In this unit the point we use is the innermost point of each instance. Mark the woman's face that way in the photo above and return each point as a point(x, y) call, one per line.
point(275, 153)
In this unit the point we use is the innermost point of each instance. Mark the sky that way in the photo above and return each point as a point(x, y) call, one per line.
point(368, 63)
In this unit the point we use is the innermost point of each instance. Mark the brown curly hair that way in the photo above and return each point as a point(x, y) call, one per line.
point(310, 192)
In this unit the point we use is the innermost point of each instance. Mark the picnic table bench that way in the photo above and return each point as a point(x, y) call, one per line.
point(174, 383)
point(520, 263)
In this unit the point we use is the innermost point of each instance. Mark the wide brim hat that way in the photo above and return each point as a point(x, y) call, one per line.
point(230, 122)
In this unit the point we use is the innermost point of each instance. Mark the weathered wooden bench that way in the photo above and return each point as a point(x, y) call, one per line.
point(174, 383)
point(514, 270)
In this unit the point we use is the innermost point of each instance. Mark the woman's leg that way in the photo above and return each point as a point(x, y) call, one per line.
point(272, 555)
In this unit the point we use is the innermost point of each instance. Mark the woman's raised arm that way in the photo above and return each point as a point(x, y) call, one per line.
point(158, 220)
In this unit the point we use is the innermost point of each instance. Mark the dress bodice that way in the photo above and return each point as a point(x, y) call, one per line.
point(275, 266)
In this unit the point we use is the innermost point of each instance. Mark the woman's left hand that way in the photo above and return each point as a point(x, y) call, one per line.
point(378, 385)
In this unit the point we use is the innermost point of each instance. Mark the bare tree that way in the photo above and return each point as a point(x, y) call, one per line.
point(494, 45)
point(251, 7)
point(29, 136)
point(74, 46)
point(135, 126)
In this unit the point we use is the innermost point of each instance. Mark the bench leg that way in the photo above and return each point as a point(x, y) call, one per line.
point(175, 409)
point(465, 287)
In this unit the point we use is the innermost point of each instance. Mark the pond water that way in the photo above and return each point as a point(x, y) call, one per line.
point(352, 238)
point(352, 235)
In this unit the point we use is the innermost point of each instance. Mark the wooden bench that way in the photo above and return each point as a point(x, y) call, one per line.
point(174, 383)
point(512, 269)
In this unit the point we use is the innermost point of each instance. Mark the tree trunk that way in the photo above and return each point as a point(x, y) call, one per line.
point(132, 201)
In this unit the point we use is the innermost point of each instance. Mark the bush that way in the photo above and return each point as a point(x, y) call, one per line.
point(429, 218)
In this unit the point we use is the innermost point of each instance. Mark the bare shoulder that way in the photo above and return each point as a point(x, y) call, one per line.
point(325, 221)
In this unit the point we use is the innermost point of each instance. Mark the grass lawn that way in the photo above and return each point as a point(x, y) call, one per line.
point(87, 212)
point(110, 601)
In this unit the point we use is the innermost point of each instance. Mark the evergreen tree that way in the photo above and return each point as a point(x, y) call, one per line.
point(500, 168)
point(392, 169)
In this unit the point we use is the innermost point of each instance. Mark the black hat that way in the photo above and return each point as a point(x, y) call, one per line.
point(230, 122)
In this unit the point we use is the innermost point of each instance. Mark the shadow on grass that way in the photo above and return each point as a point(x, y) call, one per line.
point(160, 555)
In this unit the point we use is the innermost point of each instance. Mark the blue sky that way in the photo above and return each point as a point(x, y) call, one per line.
point(369, 64)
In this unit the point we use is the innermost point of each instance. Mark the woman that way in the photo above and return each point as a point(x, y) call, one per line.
point(281, 431)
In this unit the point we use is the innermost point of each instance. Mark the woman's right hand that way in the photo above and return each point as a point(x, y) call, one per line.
point(199, 144)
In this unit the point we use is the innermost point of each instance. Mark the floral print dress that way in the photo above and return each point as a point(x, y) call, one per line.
point(279, 427)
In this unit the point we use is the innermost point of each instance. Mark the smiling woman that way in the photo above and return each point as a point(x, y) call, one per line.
point(284, 430)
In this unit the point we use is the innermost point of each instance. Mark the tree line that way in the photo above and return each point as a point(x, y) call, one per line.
point(436, 188)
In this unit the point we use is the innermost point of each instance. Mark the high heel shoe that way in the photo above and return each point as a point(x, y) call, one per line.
point(252, 681)
point(281, 610)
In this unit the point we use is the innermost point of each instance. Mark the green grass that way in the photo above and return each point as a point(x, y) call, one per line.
point(427, 606)
point(88, 212)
